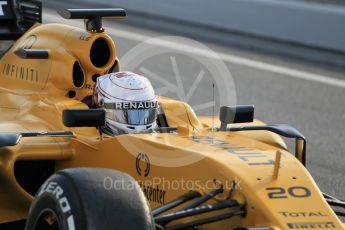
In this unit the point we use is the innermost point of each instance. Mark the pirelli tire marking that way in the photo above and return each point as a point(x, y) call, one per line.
point(55, 189)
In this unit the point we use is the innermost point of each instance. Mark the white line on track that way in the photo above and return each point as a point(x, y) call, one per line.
point(281, 70)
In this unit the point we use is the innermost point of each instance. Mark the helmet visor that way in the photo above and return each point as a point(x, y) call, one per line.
point(134, 116)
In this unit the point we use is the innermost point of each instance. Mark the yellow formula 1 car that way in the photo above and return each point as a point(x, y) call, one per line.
point(58, 171)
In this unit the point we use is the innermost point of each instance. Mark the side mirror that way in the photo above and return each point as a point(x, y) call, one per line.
point(235, 114)
point(83, 117)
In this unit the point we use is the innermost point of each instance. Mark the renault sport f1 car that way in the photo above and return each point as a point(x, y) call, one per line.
point(58, 171)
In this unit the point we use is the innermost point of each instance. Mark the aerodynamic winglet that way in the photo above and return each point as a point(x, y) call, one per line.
point(282, 130)
point(93, 17)
point(9, 139)
point(12, 139)
point(32, 53)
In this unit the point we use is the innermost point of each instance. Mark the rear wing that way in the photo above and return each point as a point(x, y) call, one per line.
point(17, 16)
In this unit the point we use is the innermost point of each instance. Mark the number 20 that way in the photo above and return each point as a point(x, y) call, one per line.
point(280, 193)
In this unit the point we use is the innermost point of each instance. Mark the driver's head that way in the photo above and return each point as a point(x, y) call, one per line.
point(129, 100)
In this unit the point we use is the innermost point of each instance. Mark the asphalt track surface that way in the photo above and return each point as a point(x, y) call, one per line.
point(309, 97)
point(329, 2)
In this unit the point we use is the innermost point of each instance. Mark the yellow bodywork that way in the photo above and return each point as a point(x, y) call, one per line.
point(34, 92)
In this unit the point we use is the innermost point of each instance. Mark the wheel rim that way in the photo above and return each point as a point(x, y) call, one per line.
point(47, 220)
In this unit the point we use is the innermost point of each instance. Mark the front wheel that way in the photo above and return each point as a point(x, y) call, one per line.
point(85, 198)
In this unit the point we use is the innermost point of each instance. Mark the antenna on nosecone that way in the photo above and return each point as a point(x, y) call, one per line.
point(100, 130)
point(213, 109)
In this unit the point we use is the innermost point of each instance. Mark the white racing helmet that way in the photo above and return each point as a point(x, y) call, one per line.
point(129, 100)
